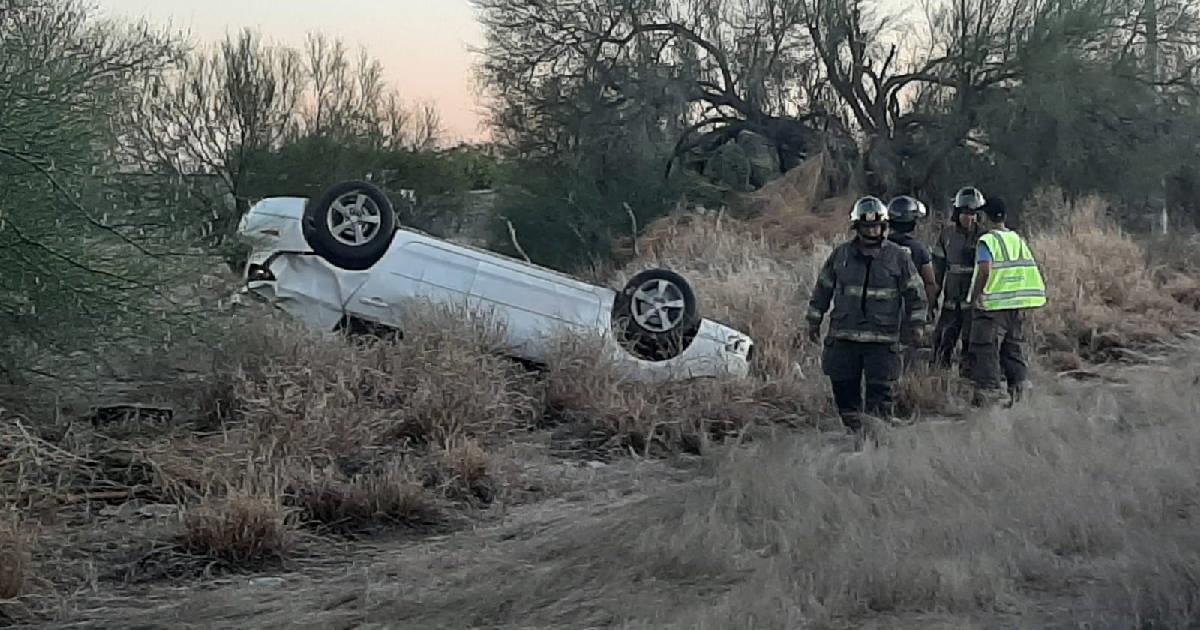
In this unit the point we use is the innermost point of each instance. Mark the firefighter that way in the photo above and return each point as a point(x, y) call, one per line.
point(953, 263)
point(903, 213)
point(874, 289)
point(1005, 284)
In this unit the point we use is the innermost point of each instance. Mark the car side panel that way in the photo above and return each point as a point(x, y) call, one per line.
point(414, 269)
point(532, 304)
point(534, 310)
point(446, 275)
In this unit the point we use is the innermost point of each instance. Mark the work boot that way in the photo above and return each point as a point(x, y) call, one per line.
point(853, 421)
point(986, 398)
point(855, 429)
point(1015, 394)
point(872, 427)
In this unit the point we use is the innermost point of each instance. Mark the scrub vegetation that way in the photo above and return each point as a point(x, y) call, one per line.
point(168, 458)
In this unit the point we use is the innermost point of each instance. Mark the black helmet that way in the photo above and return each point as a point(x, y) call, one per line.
point(906, 209)
point(995, 209)
point(868, 210)
point(968, 198)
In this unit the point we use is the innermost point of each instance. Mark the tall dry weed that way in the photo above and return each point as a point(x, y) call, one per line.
point(391, 496)
point(242, 528)
point(15, 557)
point(315, 395)
point(593, 404)
point(1102, 296)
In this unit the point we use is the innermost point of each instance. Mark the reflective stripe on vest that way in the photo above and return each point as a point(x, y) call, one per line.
point(865, 336)
point(885, 293)
point(1015, 282)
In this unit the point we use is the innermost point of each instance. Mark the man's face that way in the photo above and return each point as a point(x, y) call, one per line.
point(870, 231)
point(966, 218)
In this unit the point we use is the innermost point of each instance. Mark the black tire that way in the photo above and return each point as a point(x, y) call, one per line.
point(656, 340)
point(318, 227)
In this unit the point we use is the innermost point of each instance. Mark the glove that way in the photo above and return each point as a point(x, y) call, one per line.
point(814, 333)
point(913, 337)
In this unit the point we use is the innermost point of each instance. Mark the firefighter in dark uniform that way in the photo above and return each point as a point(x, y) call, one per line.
point(875, 290)
point(953, 264)
point(903, 213)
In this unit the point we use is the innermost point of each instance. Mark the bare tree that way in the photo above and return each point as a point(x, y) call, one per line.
point(426, 129)
point(915, 89)
point(223, 111)
point(213, 114)
point(728, 67)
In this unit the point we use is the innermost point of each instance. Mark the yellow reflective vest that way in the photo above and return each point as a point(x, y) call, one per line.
point(1015, 282)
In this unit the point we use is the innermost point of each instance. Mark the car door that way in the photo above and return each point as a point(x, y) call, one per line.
point(535, 304)
point(415, 267)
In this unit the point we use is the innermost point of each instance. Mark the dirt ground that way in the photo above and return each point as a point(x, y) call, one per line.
point(650, 544)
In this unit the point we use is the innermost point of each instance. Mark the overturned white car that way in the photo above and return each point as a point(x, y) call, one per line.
point(342, 261)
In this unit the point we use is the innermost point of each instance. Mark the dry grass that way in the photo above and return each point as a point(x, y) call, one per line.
point(1077, 509)
point(961, 519)
point(240, 529)
point(344, 436)
point(387, 498)
point(925, 391)
point(312, 395)
point(15, 557)
point(1103, 297)
point(592, 406)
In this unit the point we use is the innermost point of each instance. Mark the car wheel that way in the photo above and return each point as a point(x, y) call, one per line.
point(350, 224)
point(656, 315)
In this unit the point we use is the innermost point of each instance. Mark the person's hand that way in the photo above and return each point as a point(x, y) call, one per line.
point(814, 334)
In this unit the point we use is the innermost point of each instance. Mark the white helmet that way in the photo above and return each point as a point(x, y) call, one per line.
point(869, 210)
point(968, 198)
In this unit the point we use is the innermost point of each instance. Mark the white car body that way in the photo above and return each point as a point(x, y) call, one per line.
point(533, 303)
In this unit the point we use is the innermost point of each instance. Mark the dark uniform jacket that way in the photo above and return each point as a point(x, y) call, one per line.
point(872, 295)
point(954, 262)
point(920, 253)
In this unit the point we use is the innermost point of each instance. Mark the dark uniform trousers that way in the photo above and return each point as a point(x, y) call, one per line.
point(847, 362)
point(953, 326)
point(954, 255)
point(997, 340)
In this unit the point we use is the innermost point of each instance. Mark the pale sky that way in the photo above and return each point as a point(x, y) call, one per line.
point(422, 44)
